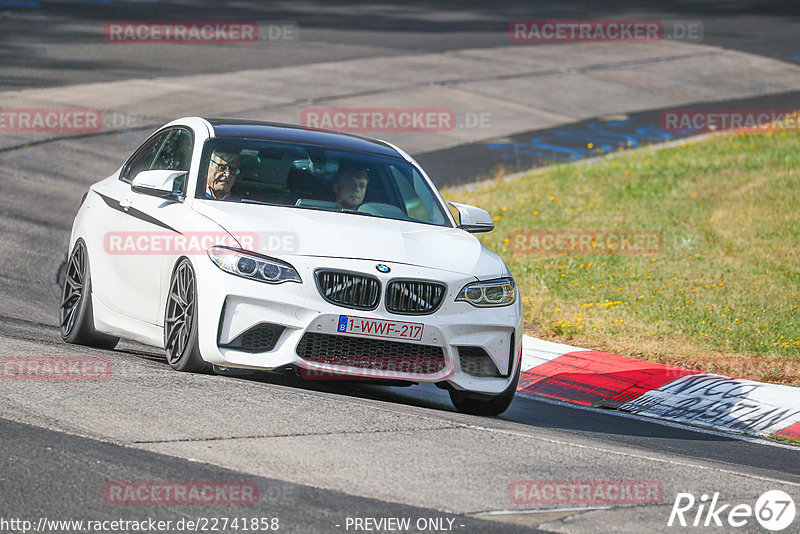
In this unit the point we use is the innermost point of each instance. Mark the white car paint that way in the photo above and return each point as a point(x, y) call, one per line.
point(129, 291)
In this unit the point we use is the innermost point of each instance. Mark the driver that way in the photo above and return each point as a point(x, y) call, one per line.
point(222, 172)
point(351, 184)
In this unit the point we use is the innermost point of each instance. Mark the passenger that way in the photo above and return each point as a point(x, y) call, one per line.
point(222, 172)
point(351, 183)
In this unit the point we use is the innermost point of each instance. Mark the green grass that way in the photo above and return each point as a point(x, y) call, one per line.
point(721, 296)
point(792, 441)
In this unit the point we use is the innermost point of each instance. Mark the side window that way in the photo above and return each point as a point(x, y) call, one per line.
point(143, 158)
point(175, 153)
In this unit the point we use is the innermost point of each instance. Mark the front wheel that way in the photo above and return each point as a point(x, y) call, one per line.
point(75, 313)
point(180, 323)
point(476, 404)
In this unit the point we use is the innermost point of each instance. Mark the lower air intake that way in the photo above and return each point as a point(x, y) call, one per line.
point(260, 338)
point(475, 361)
point(374, 354)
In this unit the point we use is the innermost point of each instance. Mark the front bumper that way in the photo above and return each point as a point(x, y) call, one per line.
point(229, 305)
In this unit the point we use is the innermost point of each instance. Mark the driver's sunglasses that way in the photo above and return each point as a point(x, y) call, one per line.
point(223, 167)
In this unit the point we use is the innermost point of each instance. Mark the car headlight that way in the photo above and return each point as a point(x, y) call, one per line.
point(491, 293)
point(253, 266)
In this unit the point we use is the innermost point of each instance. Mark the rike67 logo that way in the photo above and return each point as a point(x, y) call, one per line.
point(774, 510)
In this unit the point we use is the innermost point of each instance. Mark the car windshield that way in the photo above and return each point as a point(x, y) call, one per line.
point(317, 178)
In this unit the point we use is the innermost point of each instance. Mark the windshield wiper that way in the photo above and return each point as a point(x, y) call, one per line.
point(316, 208)
point(356, 212)
point(261, 202)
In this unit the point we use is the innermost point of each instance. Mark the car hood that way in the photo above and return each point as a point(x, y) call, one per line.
point(285, 231)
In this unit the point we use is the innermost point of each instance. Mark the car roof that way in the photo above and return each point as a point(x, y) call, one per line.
point(275, 131)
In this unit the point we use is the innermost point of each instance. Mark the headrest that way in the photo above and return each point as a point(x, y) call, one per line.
point(300, 180)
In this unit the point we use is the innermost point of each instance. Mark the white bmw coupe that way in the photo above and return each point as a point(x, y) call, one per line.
point(239, 244)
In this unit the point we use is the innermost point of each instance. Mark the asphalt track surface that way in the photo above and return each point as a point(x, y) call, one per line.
point(319, 452)
point(61, 43)
point(472, 162)
point(48, 461)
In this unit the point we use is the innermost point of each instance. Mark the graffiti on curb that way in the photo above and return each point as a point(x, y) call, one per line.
point(721, 402)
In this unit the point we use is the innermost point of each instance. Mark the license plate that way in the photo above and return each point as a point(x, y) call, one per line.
point(349, 324)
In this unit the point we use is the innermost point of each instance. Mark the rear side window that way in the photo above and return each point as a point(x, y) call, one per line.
point(143, 158)
point(176, 152)
point(167, 151)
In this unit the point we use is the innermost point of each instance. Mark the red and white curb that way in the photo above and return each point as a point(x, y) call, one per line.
point(602, 380)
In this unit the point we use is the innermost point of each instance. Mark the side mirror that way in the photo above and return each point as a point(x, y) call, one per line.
point(473, 220)
point(159, 184)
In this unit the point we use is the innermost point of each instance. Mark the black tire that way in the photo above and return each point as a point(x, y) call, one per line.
point(76, 318)
point(180, 322)
point(476, 404)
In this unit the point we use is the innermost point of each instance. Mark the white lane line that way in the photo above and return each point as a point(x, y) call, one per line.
point(543, 511)
point(638, 456)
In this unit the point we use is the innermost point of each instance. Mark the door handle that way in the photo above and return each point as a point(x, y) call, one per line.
point(125, 203)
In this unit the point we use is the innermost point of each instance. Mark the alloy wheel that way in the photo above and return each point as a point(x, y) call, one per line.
point(180, 312)
point(73, 288)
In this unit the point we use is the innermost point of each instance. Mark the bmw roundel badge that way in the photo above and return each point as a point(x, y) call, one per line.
point(382, 268)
